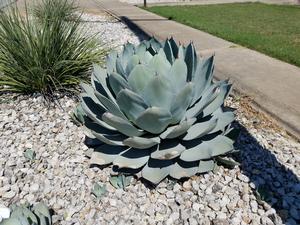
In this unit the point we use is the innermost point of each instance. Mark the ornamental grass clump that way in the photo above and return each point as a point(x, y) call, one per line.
point(45, 54)
point(156, 109)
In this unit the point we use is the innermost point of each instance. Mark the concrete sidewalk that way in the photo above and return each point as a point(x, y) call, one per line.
point(274, 85)
point(206, 2)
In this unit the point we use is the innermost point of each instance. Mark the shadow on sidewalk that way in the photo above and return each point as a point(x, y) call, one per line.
point(140, 33)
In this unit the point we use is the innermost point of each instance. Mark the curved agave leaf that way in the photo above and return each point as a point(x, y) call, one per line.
point(132, 158)
point(146, 58)
point(156, 170)
point(181, 102)
point(141, 142)
point(168, 150)
point(139, 77)
point(169, 52)
point(90, 92)
point(177, 130)
point(178, 75)
point(224, 119)
point(159, 63)
point(209, 96)
point(154, 120)
point(181, 52)
point(94, 111)
point(158, 92)
point(120, 68)
point(206, 165)
point(105, 135)
point(141, 49)
point(122, 125)
point(203, 76)
point(110, 105)
point(117, 83)
point(179, 171)
point(44, 212)
point(110, 61)
point(106, 154)
point(115, 139)
point(191, 61)
point(132, 62)
point(12, 221)
point(127, 53)
point(200, 129)
point(99, 83)
point(198, 150)
point(218, 101)
point(174, 47)
point(155, 44)
point(131, 104)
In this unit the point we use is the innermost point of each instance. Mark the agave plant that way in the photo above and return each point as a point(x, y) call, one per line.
point(25, 215)
point(156, 109)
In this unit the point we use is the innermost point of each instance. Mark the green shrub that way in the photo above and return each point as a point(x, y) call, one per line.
point(45, 54)
point(48, 9)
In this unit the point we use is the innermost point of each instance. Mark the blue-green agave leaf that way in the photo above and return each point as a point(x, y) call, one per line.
point(206, 165)
point(191, 61)
point(218, 101)
point(122, 125)
point(169, 52)
point(224, 119)
point(181, 52)
point(179, 172)
point(177, 75)
point(197, 149)
point(110, 61)
point(139, 77)
point(131, 104)
point(132, 62)
point(94, 111)
point(141, 142)
point(117, 83)
point(159, 63)
point(174, 47)
point(106, 154)
point(99, 190)
point(99, 82)
point(203, 76)
point(168, 150)
point(132, 158)
point(42, 209)
point(158, 92)
point(209, 96)
point(30, 154)
point(110, 105)
point(181, 102)
point(156, 170)
point(200, 129)
point(178, 130)
point(120, 69)
point(154, 120)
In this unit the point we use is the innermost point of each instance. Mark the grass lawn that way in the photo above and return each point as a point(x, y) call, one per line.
point(271, 29)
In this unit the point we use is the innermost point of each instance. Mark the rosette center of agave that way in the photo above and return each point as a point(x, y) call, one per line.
point(155, 109)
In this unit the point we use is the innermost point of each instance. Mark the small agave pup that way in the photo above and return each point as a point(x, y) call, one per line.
point(155, 109)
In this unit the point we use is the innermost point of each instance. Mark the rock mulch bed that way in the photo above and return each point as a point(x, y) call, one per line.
point(265, 189)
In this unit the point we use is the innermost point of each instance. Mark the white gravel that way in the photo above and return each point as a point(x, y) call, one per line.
point(110, 31)
point(62, 178)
